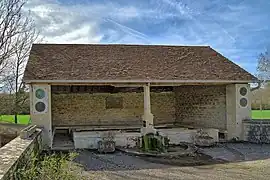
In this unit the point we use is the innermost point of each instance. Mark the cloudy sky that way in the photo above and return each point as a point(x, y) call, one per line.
point(239, 29)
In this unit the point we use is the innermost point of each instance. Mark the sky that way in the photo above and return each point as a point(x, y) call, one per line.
point(238, 29)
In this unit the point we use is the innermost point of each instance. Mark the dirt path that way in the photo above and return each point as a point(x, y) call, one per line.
point(122, 166)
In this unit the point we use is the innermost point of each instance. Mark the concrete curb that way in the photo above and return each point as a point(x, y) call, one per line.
point(236, 151)
point(216, 159)
point(187, 152)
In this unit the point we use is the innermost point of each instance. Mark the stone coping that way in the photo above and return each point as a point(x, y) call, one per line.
point(13, 151)
point(10, 128)
point(257, 121)
point(13, 125)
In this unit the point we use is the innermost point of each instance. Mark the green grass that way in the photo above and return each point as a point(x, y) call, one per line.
point(257, 114)
point(22, 119)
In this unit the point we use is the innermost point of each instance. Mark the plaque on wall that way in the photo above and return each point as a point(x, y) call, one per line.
point(114, 102)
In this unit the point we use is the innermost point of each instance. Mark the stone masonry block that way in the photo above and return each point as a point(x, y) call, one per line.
point(201, 106)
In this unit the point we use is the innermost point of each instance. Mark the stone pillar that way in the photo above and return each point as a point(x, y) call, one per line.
point(148, 117)
point(41, 116)
point(238, 108)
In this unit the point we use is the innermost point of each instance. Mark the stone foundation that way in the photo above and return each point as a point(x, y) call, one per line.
point(89, 139)
point(256, 131)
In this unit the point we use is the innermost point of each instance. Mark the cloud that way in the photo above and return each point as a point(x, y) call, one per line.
point(80, 23)
point(238, 29)
point(57, 24)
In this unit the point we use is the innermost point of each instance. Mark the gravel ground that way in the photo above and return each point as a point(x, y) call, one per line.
point(252, 151)
point(113, 162)
point(122, 166)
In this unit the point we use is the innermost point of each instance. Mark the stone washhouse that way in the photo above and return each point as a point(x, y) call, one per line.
point(80, 94)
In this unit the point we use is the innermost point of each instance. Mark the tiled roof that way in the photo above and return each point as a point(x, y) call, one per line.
point(130, 62)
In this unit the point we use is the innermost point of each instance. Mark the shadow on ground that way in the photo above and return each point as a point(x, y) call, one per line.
point(223, 153)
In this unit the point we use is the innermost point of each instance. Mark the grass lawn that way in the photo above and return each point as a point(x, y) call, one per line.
point(22, 119)
point(257, 114)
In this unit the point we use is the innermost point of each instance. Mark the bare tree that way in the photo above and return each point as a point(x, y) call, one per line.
point(23, 47)
point(263, 73)
point(263, 67)
point(12, 24)
point(17, 33)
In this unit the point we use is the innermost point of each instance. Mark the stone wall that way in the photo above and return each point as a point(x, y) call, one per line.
point(90, 109)
point(8, 132)
point(201, 106)
point(163, 107)
point(16, 153)
point(4, 139)
point(8, 128)
point(256, 131)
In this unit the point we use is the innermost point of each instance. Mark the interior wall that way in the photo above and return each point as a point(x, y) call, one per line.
point(163, 107)
point(201, 106)
point(90, 109)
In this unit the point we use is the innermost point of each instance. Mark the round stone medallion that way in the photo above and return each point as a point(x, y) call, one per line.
point(40, 106)
point(40, 93)
point(243, 102)
point(243, 91)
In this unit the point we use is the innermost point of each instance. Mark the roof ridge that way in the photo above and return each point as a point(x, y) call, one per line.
point(108, 44)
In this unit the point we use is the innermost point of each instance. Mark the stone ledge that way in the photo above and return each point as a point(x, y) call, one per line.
point(190, 150)
point(257, 121)
point(9, 128)
point(11, 153)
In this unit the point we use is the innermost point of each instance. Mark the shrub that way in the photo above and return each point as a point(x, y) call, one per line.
point(50, 167)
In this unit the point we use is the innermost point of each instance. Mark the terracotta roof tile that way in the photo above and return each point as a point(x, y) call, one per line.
point(130, 62)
